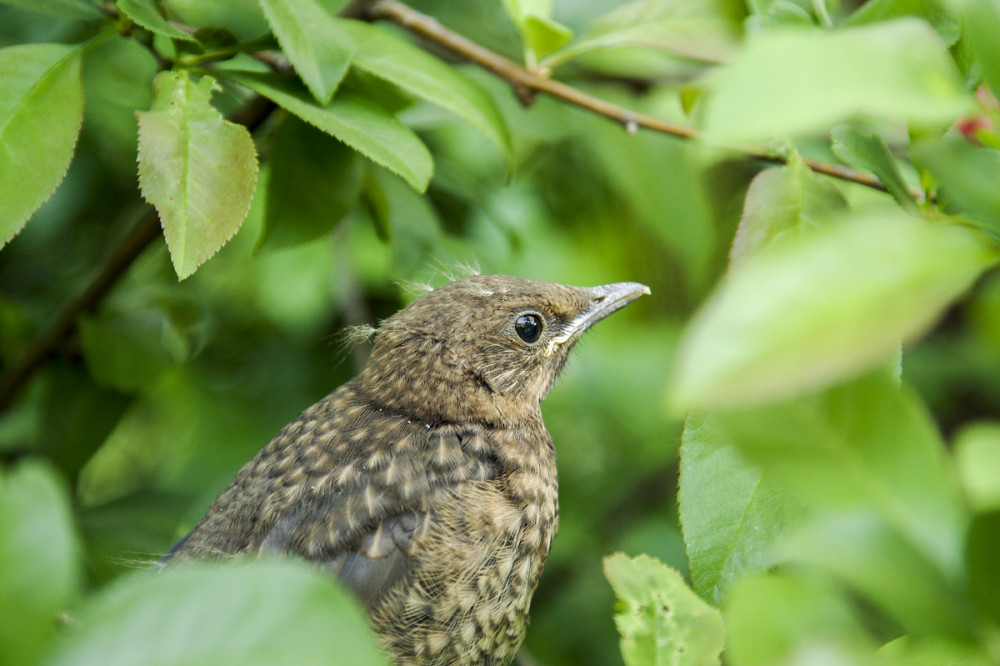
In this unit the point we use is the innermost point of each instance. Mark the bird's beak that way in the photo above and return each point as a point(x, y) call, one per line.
point(606, 299)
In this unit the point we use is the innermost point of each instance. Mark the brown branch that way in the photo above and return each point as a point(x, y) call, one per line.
point(527, 83)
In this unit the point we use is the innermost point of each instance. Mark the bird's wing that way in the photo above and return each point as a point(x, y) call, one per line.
point(346, 485)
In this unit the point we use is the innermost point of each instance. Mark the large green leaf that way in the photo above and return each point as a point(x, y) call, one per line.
point(661, 621)
point(39, 559)
point(790, 83)
point(934, 12)
point(41, 110)
point(246, 613)
point(318, 48)
point(824, 306)
point(735, 519)
point(420, 74)
point(886, 514)
point(355, 121)
point(195, 167)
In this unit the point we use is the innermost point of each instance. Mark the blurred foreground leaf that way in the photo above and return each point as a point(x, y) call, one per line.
point(823, 307)
point(790, 83)
point(238, 613)
point(39, 559)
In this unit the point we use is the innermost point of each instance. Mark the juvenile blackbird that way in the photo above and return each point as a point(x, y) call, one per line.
point(427, 484)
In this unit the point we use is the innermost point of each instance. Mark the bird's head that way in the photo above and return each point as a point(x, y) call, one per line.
point(486, 348)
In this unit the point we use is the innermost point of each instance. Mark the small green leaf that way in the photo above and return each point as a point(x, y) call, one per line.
point(793, 82)
point(234, 613)
point(967, 176)
point(661, 621)
point(868, 151)
point(420, 74)
point(39, 565)
point(74, 9)
point(543, 35)
point(314, 42)
point(735, 520)
point(313, 182)
point(977, 456)
point(353, 120)
point(147, 14)
point(785, 617)
point(41, 110)
point(823, 307)
point(198, 169)
point(783, 201)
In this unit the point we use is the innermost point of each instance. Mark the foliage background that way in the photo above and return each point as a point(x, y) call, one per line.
point(166, 387)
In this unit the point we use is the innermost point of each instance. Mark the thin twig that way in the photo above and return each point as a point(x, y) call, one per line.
point(527, 83)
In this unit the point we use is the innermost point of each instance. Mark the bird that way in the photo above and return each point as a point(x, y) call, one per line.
point(427, 484)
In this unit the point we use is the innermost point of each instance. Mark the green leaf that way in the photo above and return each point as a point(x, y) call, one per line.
point(39, 565)
point(977, 456)
point(353, 120)
point(932, 11)
point(198, 169)
point(980, 27)
point(41, 110)
point(247, 613)
point(543, 35)
point(794, 82)
point(783, 201)
point(314, 180)
point(735, 520)
point(314, 42)
point(661, 621)
point(868, 151)
point(74, 9)
point(868, 460)
point(147, 14)
point(823, 307)
point(967, 176)
point(420, 74)
point(784, 618)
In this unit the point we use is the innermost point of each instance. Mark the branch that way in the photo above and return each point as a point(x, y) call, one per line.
point(527, 83)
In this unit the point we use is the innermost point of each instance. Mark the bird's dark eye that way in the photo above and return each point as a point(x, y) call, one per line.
point(529, 327)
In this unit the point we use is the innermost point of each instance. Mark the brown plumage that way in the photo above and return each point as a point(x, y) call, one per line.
point(427, 484)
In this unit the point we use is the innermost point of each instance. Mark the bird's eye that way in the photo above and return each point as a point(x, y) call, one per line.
point(529, 327)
